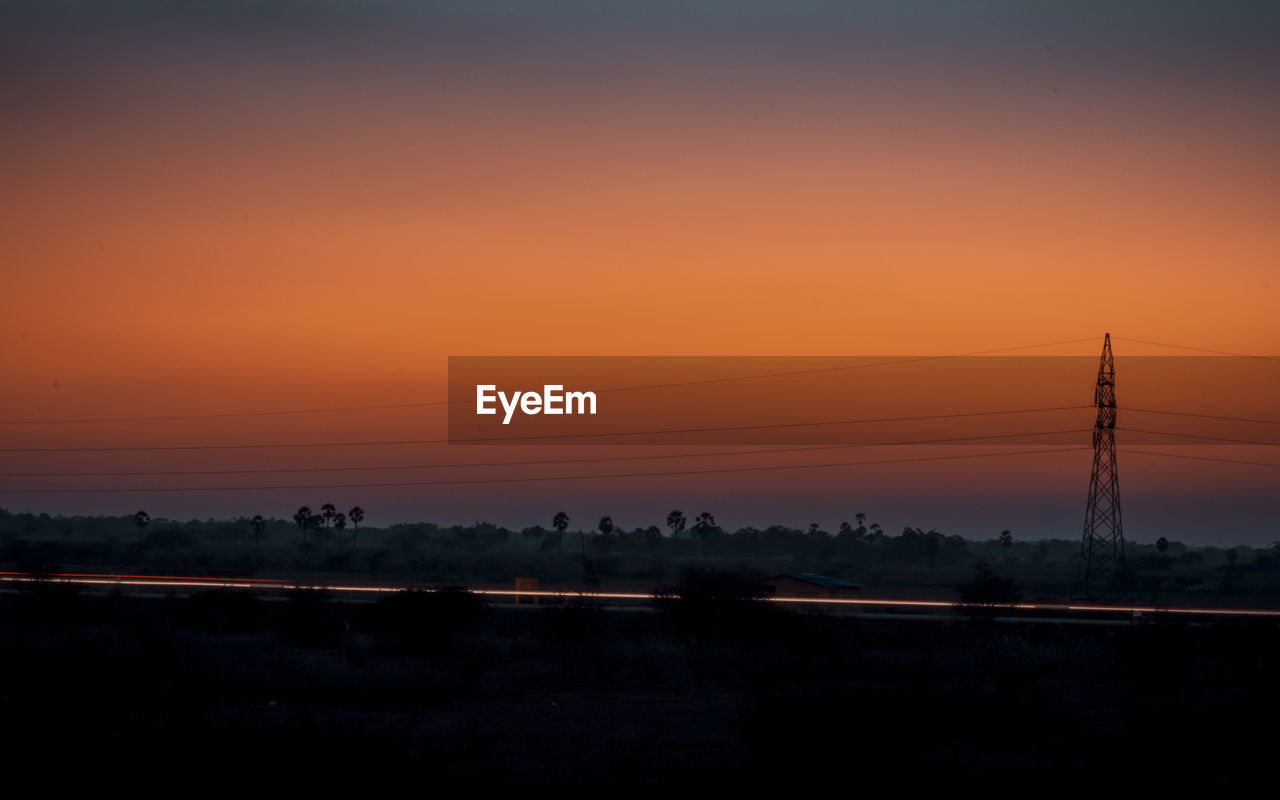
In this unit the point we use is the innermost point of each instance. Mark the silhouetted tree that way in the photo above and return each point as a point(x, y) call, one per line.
point(703, 527)
point(676, 522)
point(1006, 541)
point(983, 595)
point(534, 532)
point(327, 512)
point(339, 525)
point(560, 522)
point(314, 523)
point(356, 515)
point(653, 535)
point(932, 544)
point(258, 524)
point(606, 525)
point(847, 531)
point(302, 518)
point(705, 523)
point(1162, 545)
point(141, 519)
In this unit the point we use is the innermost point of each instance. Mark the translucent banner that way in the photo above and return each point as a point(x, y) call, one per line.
point(895, 400)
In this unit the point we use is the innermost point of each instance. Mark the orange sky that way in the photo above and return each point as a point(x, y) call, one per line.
point(233, 224)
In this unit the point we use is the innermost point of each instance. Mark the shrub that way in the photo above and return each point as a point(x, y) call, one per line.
point(425, 621)
point(987, 592)
point(710, 604)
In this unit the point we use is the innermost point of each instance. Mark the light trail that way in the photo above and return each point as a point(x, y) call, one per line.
point(169, 581)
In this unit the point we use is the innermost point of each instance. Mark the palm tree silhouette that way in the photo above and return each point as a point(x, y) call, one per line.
point(258, 524)
point(357, 516)
point(703, 526)
point(141, 519)
point(315, 522)
point(302, 518)
point(707, 523)
point(676, 522)
point(560, 522)
point(339, 525)
point(327, 512)
point(606, 525)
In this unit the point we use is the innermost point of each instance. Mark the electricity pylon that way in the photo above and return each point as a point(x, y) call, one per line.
point(1102, 549)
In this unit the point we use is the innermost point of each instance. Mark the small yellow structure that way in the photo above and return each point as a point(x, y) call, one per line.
point(526, 585)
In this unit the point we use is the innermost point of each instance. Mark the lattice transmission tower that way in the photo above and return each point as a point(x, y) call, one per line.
point(1102, 549)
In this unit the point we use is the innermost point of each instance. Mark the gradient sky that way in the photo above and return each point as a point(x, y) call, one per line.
point(212, 207)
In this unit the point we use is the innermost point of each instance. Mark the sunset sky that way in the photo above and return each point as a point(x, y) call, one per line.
point(212, 208)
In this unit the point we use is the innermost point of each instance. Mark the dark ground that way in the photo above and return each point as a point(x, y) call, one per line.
point(713, 692)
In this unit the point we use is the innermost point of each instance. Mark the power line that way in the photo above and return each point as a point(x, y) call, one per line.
point(895, 362)
point(438, 403)
point(502, 439)
point(223, 414)
point(395, 406)
point(405, 442)
point(538, 478)
point(772, 426)
point(1203, 458)
point(1202, 416)
point(1200, 436)
point(183, 447)
point(1197, 349)
point(393, 467)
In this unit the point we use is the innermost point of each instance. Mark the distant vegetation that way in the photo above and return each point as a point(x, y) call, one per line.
point(913, 561)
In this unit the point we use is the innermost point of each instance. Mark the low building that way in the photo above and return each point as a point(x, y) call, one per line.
point(527, 585)
point(808, 584)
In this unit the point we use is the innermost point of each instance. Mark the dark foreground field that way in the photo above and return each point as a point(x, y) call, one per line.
point(707, 691)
